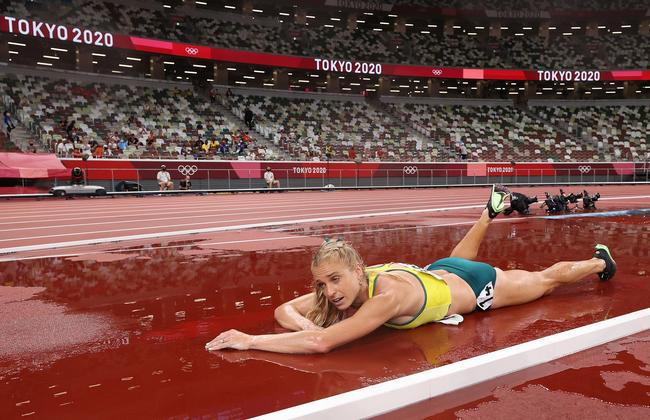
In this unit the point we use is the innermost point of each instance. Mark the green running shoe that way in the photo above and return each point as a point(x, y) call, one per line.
point(603, 253)
point(497, 201)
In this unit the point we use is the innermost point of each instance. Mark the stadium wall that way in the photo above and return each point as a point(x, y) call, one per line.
point(249, 174)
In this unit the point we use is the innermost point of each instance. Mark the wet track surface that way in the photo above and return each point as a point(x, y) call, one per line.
point(122, 334)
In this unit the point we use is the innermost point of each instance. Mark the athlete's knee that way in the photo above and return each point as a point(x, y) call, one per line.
point(547, 282)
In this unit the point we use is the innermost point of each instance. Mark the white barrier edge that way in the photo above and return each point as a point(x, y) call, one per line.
point(394, 394)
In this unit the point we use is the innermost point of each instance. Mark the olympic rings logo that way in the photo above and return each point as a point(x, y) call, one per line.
point(410, 170)
point(187, 169)
point(436, 72)
point(191, 50)
point(584, 169)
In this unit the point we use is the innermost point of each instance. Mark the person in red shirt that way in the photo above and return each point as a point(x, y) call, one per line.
point(98, 153)
point(352, 154)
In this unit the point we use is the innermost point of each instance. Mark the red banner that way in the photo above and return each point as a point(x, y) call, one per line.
point(64, 33)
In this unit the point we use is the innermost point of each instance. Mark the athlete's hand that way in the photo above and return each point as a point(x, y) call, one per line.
point(231, 339)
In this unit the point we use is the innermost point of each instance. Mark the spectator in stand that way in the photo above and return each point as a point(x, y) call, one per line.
point(115, 137)
point(31, 148)
point(249, 118)
point(60, 149)
point(186, 151)
point(69, 148)
point(329, 151)
point(241, 147)
point(379, 153)
point(462, 150)
point(112, 144)
point(185, 183)
point(69, 129)
point(9, 124)
point(164, 179)
point(269, 177)
point(229, 94)
point(63, 124)
point(85, 148)
point(98, 153)
point(151, 138)
point(223, 147)
point(122, 144)
point(352, 154)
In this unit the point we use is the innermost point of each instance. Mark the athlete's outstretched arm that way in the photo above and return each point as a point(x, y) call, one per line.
point(292, 315)
point(468, 246)
point(369, 317)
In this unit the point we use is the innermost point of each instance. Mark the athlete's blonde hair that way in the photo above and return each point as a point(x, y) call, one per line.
point(324, 313)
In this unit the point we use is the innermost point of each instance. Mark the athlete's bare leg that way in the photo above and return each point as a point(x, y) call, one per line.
point(515, 287)
point(468, 247)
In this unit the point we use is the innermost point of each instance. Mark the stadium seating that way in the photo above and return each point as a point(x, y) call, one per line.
point(616, 132)
point(167, 122)
point(177, 117)
point(490, 133)
point(303, 127)
point(626, 50)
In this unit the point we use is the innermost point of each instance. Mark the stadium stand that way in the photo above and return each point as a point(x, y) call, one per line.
point(156, 122)
point(490, 133)
point(618, 132)
point(623, 50)
point(303, 127)
point(169, 120)
point(166, 122)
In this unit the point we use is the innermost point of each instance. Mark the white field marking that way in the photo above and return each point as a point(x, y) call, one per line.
point(120, 212)
point(386, 211)
point(214, 215)
point(391, 395)
point(211, 229)
point(235, 202)
point(186, 209)
point(625, 198)
point(350, 232)
point(216, 229)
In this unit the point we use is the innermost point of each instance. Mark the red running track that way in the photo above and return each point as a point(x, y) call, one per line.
point(119, 330)
point(45, 223)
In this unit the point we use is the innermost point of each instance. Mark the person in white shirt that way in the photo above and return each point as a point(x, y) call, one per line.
point(164, 179)
point(270, 178)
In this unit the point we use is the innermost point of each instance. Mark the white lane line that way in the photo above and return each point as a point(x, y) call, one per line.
point(169, 225)
point(128, 211)
point(212, 229)
point(224, 228)
point(100, 208)
point(315, 234)
point(130, 218)
point(391, 395)
point(212, 222)
point(349, 232)
point(237, 202)
point(625, 197)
